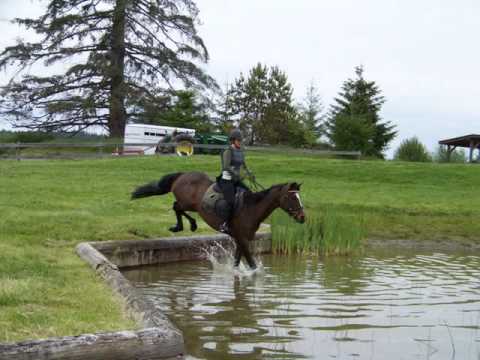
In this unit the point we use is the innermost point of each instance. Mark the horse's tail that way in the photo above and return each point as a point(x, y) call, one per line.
point(161, 187)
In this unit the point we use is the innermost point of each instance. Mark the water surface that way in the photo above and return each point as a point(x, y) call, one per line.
point(378, 306)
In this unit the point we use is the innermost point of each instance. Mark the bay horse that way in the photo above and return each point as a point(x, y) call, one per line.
point(189, 188)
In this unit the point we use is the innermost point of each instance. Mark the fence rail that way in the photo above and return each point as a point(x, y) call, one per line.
point(121, 149)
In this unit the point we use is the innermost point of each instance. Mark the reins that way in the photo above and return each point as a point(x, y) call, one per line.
point(255, 185)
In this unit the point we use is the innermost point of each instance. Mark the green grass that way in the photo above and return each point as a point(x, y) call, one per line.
point(47, 207)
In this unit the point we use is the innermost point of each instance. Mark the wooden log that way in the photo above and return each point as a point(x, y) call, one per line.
point(140, 307)
point(124, 345)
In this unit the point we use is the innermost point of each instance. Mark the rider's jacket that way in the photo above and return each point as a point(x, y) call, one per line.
point(232, 161)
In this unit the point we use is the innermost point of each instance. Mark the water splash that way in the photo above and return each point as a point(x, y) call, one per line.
point(223, 260)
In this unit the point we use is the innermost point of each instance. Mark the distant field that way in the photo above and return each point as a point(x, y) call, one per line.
point(49, 206)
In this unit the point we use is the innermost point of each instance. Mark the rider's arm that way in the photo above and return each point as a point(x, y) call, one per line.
point(247, 170)
point(226, 164)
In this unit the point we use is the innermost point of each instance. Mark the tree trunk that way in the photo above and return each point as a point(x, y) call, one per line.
point(117, 120)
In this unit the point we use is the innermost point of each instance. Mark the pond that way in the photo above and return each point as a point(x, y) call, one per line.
point(381, 305)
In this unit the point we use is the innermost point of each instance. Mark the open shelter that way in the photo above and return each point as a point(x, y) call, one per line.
point(471, 141)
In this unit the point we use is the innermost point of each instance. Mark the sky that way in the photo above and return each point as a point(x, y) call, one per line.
point(423, 55)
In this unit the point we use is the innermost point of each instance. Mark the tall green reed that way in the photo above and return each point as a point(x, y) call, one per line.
point(326, 233)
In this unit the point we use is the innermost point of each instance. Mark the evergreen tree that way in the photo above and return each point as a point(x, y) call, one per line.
point(262, 104)
point(121, 55)
point(225, 121)
point(184, 109)
point(310, 111)
point(354, 121)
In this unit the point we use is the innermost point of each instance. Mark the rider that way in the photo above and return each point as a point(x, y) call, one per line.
point(233, 160)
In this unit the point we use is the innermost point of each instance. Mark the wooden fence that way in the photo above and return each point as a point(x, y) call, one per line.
point(24, 151)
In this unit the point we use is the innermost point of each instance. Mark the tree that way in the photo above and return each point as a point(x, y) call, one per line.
point(225, 115)
point(262, 105)
point(122, 55)
point(354, 122)
point(183, 109)
point(310, 111)
point(412, 150)
point(441, 155)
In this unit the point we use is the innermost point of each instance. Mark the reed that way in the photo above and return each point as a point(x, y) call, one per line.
point(326, 233)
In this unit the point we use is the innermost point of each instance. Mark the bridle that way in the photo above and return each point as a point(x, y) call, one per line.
point(295, 211)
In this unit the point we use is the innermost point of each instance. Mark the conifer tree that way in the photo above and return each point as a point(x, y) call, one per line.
point(119, 57)
point(310, 111)
point(263, 105)
point(354, 121)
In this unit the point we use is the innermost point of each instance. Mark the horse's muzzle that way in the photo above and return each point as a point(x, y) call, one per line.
point(300, 218)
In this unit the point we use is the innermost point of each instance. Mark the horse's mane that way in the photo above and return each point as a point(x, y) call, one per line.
point(252, 198)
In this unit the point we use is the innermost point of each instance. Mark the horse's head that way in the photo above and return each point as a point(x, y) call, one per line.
point(290, 202)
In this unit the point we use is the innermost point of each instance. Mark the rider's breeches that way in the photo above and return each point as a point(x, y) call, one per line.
point(228, 190)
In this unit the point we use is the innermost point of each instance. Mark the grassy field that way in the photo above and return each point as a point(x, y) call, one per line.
point(47, 207)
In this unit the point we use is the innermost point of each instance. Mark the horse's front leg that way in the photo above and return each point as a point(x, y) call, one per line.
point(178, 212)
point(242, 245)
point(238, 255)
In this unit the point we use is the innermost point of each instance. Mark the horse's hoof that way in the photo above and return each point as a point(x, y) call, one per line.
point(175, 229)
point(193, 227)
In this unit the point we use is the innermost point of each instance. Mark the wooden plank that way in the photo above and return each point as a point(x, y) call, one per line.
point(124, 345)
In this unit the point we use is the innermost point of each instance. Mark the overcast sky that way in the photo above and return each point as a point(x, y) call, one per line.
point(424, 55)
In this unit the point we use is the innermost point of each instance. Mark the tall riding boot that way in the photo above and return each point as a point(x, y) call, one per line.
point(228, 189)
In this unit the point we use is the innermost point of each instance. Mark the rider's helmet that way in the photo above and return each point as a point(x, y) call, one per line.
point(236, 134)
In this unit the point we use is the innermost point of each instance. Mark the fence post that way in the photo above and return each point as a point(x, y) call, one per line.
point(17, 151)
point(100, 150)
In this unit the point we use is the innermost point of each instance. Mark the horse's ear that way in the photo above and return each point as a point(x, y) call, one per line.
point(294, 186)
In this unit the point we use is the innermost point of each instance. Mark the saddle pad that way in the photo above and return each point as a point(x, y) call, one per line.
point(213, 195)
point(210, 198)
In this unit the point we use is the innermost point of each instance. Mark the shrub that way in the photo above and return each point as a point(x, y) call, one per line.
point(32, 137)
point(412, 150)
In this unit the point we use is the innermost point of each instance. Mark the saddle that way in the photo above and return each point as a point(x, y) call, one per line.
point(214, 202)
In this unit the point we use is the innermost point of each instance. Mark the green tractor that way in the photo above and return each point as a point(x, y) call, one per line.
point(185, 144)
point(210, 139)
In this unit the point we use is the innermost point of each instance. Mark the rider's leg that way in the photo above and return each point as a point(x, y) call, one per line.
point(228, 189)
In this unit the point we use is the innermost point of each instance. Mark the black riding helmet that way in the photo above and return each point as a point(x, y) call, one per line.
point(236, 134)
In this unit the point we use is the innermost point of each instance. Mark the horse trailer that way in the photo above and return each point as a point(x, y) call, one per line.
point(150, 135)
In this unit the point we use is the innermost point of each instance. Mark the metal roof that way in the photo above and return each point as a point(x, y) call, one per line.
point(462, 141)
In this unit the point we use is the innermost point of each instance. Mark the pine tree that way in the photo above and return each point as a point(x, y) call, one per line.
point(121, 56)
point(184, 109)
point(310, 111)
point(223, 108)
point(354, 121)
point(263, 106)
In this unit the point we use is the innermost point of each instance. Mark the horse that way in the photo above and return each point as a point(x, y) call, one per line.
point(189, 189)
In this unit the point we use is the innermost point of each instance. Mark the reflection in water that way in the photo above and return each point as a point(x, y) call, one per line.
point(423, 306)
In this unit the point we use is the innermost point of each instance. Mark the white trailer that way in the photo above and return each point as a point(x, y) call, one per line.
point(150, 135)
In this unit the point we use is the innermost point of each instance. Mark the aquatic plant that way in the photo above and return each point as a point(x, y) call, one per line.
point(326, 233)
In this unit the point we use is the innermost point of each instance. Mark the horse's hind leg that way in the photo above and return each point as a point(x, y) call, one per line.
point(178, 213)
point(193, 223)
